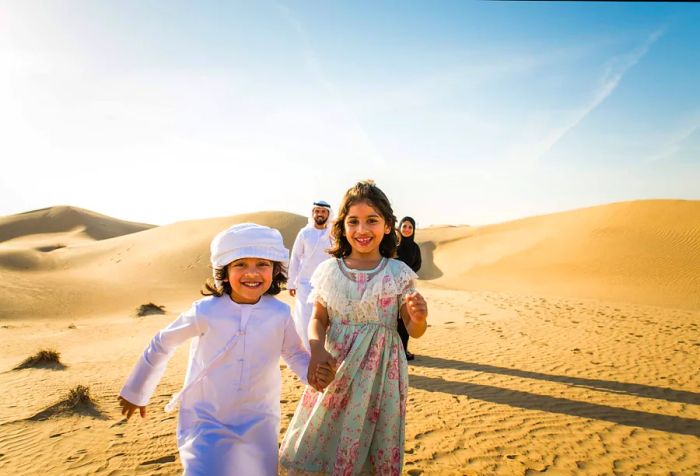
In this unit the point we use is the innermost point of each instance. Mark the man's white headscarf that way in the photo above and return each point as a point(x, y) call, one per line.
point(321, 204)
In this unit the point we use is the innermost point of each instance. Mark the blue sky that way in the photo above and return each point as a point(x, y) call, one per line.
point(463, 112)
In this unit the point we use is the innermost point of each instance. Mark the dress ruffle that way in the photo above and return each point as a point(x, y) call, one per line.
point(334, 291)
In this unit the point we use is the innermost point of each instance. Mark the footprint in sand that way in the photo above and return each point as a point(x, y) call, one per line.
point(164, 459)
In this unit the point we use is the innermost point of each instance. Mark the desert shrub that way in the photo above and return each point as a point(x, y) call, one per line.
point(150, 308)
point(45, 358)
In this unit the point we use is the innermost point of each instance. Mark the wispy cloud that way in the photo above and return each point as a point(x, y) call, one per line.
point(614, 73)
point(677, 139)
point(346, 116)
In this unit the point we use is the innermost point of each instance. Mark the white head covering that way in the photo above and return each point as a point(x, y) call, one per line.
point(247, 240)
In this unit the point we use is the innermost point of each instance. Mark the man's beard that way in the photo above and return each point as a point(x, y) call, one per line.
point(320, 220)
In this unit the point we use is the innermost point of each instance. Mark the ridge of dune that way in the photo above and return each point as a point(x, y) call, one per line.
point(66, 219)
point(638, 251)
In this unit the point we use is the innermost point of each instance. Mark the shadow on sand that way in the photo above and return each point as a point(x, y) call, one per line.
point(428, 269)
point(530, 401)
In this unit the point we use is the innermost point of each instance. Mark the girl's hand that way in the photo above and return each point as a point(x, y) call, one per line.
point(320, 358)
point(129, 408)
point(417, 307)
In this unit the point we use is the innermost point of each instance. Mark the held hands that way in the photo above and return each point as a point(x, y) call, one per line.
point(322, 367)
point(129, 408)
point(417, 307)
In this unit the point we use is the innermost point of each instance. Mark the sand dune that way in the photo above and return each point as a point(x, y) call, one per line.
point(561, 344)
point(27, 239)
point(61, 219)
point(642, 251)
point(111, 275)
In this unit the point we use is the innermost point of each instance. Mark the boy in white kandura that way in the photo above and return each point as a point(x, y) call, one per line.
point(230, 404)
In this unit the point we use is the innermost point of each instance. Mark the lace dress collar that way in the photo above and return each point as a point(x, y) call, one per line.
point(363, 275)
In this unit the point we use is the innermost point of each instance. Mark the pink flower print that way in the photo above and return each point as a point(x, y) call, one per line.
point(381, 466)
point(403, 387)
point(354, 450)
point(371, 360)
point(393, 373)
point(387, 462)
point(308, 400)
point(337, 396)
point(395, 462)
point(374, 415)
point(385, 302)
point(345, 457)
point(343, 348)
point(386, 282)
point(340, 348)
point(339, 467)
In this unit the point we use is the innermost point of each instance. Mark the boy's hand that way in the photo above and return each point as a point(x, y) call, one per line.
point(417, 307)
point(319, 359)
point(129, 408)
point(324, 375)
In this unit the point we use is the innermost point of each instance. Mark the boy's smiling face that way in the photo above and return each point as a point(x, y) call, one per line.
point(249, 278)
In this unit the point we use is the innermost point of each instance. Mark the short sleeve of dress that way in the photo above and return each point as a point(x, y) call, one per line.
point(322, 281)
point(405, 279)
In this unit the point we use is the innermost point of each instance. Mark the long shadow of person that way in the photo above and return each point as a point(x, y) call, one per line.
point(531, 401)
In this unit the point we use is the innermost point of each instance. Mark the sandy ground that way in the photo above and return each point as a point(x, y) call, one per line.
point(564, 344)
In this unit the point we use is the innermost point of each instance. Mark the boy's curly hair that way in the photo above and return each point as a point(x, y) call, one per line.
point(279, 279)
point(365, 191)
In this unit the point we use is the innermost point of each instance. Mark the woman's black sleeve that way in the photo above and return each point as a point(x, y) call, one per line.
point(418, 261)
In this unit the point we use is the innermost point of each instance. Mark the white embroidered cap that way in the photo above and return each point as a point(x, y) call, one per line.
point(247, 240)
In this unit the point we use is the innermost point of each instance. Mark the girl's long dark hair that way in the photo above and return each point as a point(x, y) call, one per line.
point(279, 279)
point(367, 192)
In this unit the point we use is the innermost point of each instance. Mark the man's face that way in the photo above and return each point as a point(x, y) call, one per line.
point(320, 215)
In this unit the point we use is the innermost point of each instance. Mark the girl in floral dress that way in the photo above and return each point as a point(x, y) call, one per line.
point(356, 426)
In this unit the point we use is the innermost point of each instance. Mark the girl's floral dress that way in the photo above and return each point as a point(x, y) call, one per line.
point(356, 426)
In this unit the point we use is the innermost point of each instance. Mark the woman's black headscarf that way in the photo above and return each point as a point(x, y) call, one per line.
point(408, 250)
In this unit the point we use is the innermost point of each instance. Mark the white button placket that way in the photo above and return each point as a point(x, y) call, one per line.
point(243, 324)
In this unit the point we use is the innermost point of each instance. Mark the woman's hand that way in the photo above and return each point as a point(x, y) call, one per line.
point(129, 408)
point(321, 369)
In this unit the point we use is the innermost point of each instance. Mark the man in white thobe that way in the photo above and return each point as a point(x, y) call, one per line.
point(308, 252)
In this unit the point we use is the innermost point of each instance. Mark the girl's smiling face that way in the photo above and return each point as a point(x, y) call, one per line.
point(364, 229)
point(249, 278)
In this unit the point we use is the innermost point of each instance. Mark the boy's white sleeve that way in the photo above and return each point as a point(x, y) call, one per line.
point(142, 382)
point(293, 351)
point(295, 261)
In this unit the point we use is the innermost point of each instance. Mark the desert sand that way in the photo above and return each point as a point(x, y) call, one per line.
point(562, 344)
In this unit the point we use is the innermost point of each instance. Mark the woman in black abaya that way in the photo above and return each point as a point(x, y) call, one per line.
point(408, 252)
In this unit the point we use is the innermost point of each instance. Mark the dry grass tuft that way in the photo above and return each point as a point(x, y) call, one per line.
point(150, 308)
point(45, 359)
point(77, 402)
point(79, 395)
